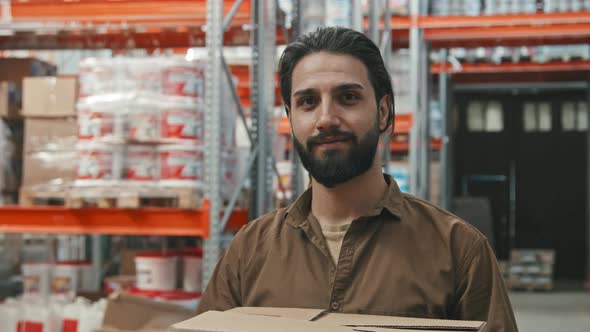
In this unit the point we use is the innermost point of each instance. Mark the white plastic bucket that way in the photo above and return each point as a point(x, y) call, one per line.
point(141, 164)
point(183, 122)
point(156, 271)
point(36, 280)
point(38, 317)
point(99, 125)
point(91, 317)
point(184, 79)
point(143, 124)
point(181, 165)
point(10, 315)
point(65, 280)
point(99, 164)
point(192, 266)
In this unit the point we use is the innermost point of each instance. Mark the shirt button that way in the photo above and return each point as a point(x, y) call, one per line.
point(335, 305)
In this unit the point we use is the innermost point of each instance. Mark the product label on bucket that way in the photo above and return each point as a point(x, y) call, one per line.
point(31, 284)
point(183, 124)
point(143, 126)
point(181, 165)
point(95, 165)
point(95, 124)
point(61, 285)
point(141, 165)
point(184, 81)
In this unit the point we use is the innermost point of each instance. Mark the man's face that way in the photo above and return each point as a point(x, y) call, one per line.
point(334, 117)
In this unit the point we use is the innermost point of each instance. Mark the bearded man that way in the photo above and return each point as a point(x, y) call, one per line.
point(353, 243)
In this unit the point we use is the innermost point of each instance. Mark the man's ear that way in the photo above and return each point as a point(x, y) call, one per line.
point(384, 112)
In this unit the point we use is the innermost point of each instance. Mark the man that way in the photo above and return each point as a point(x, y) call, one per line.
point(353, 242)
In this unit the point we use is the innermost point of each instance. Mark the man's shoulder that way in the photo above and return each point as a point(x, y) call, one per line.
point(442, 220)
point(265, 224)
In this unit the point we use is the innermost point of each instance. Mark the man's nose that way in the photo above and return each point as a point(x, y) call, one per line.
point(328, 116)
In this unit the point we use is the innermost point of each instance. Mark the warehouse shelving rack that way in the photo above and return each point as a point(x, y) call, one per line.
point(159, 24)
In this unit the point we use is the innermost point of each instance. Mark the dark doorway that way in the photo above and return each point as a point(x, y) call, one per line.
point(527, 154)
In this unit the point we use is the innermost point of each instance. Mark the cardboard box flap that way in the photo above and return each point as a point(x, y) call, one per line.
point(215, 321)
point(390, 322)
point(291, 313)
point(133, 313)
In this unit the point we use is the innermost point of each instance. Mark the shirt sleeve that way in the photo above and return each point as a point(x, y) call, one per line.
point(223, 291)
point(481, 292)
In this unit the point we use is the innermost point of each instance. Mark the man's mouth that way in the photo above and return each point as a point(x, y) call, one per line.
point(332, 141)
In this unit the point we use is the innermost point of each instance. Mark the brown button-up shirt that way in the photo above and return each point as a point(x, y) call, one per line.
point(406, 258)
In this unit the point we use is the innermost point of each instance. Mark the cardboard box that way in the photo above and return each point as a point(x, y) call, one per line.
point(49, 167)
point(56, 134)
point(290, 319)
point(15, 69)
point(49, 96)
point(126, 312)
point(10, 99)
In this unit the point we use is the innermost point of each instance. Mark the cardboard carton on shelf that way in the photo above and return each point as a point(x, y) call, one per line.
point(290, 319)
point(126, 312)
point(49, 96)
point(49, 152)
point(54, 134)
point(15, 69)
point(10, 99)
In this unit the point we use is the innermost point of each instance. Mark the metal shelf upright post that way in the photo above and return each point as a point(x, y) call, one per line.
point(262, 99)
point(419, 136)
point(213, 119)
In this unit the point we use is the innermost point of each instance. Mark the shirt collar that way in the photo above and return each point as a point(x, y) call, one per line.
point(298, 211)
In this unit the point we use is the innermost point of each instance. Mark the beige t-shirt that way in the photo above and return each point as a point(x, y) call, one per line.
point(334, 235)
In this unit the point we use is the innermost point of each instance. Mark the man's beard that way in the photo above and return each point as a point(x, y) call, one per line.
point(337, 166)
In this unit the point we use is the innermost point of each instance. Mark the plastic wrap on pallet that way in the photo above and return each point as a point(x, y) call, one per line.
point(141, 121)
point(49, 154)
point(53, 170)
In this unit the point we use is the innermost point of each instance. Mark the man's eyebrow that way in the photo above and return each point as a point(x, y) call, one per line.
point(304, 92)
point(348, 86)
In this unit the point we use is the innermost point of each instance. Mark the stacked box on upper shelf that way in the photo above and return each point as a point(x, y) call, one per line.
point(13, 71)
point(49, 156)
point(531, 269)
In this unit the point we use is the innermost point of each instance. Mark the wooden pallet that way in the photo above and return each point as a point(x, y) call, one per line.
point(114, 197)
point(35, 197)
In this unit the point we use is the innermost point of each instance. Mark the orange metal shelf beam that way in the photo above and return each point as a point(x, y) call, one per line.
point(520, 67)
point(148, 221)
point(517, 29)
point(129, 11)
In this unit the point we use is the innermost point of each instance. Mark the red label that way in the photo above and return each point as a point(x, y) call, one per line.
point(183, 124)
point(70, 325)
point(28, 326)
point(141, 166)
point(95, 165)
point(184, 81)
point(181, 165)
point(95, 124)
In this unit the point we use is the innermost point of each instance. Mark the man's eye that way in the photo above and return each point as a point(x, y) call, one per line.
point(349, 98)
point(306, 101)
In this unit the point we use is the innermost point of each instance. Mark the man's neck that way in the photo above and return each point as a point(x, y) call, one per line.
point(350, 200)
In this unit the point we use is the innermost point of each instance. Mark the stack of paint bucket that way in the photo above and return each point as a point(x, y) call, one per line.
point(141, 121)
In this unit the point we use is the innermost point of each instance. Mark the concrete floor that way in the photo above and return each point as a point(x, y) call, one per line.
point(565, 311)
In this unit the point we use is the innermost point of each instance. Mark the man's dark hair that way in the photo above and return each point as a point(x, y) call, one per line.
point(340, 41)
